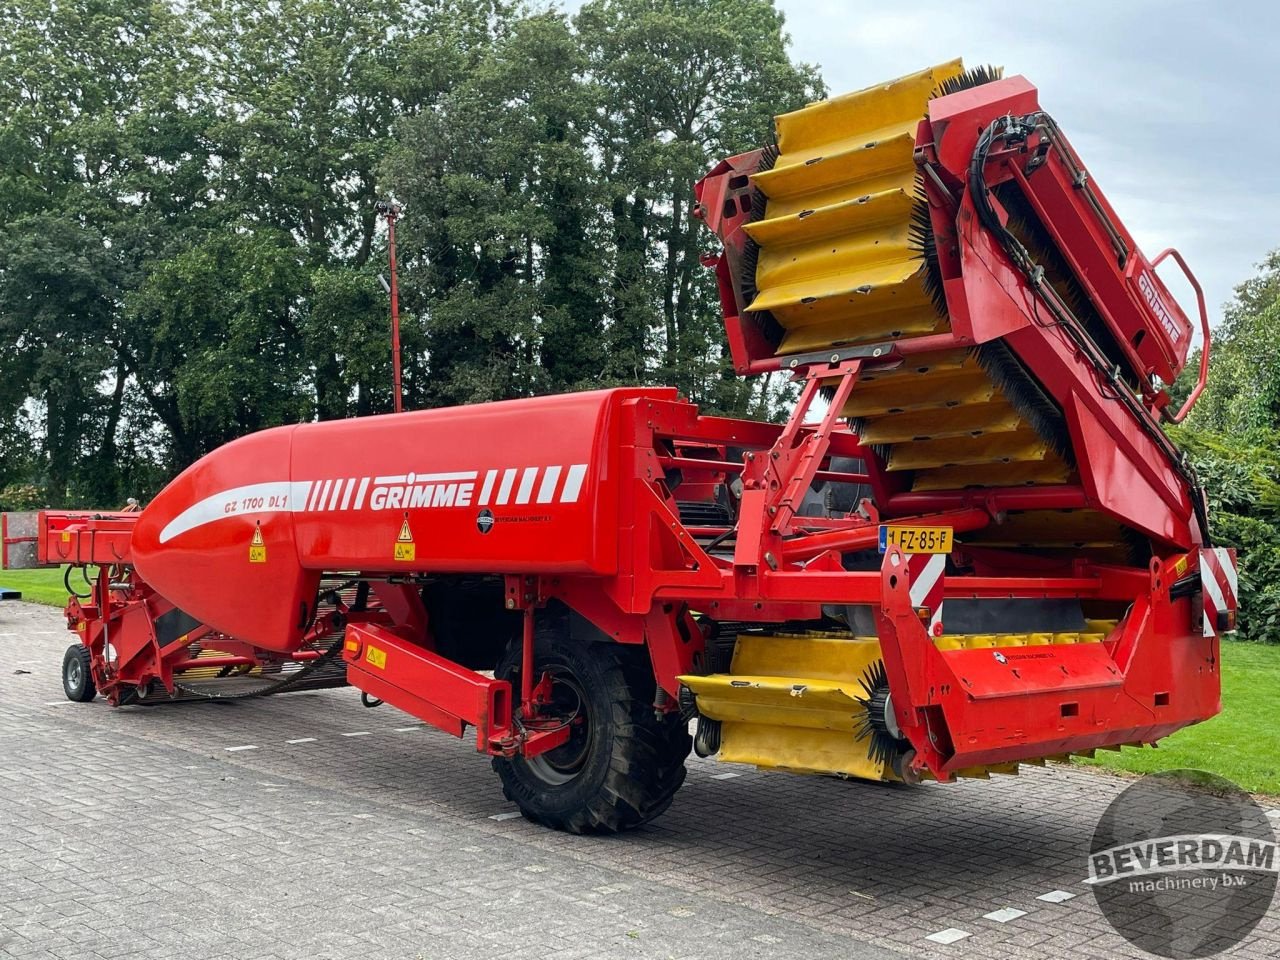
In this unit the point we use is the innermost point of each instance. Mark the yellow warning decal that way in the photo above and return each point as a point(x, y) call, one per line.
point(377, 657)
point(1180, 565)
point(257, 549)
point(66, 537)
point(405, 549)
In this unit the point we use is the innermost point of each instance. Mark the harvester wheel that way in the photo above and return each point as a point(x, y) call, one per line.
point(77, 677)
point(622, 765)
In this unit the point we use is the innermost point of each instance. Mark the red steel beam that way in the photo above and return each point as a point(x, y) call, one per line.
point(427, 685)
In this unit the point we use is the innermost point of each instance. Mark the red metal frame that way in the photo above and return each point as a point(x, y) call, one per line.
point(576, 504)
point(781, 566)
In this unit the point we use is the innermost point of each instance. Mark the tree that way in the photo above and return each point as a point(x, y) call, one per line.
point(306, 96)
point(216, 335)
point(188, 246)
point(681, 84)
point(500, 239)
point(1233, 437)
point(85, 138)
point(549, 237)
point(1241, 475)
point(1243, 391)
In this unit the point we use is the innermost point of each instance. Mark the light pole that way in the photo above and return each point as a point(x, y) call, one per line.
point(390, 211)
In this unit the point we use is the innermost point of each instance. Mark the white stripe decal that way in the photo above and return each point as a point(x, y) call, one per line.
point(1212, 597)
point(298, 496)
point(921, 586)
point(548, 489)
point(1229, 570)
point(504, 491)
point(427, 477)
point(487, 489)
point(302, 490)
point(573, 483)
point(446, 477)
point(526, 484)
point(215, 507)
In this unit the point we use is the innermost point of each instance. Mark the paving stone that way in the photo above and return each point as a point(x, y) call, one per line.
point(135, 832)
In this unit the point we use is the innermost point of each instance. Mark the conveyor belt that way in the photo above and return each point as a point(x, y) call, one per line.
point(803, 701)
point(842, 255)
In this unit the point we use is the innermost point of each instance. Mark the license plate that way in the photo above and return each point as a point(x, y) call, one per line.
point(917, 539)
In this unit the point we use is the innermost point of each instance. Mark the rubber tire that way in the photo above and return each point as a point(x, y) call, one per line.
point(635, 762)
point(83, 690)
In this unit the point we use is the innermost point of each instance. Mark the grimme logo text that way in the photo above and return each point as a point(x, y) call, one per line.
point(1157, 306)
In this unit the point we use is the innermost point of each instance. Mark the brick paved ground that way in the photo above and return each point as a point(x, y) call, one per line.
point(143, 832)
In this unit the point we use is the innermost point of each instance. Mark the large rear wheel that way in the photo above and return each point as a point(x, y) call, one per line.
point(622, 764)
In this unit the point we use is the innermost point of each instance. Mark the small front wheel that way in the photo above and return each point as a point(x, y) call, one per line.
point(77, 676)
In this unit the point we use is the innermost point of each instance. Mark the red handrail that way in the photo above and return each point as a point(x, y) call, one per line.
point(1204, 328)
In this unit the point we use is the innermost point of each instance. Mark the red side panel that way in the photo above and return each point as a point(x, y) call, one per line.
point(195, 543)
point(240, 538)
point(510, 487)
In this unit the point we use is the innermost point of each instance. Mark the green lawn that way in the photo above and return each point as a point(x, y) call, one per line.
point(1242, 743)
point(40, 586)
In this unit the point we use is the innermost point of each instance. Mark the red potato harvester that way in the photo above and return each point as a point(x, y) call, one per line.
point(970, 547)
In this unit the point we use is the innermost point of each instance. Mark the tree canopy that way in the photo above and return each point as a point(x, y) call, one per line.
point(189, 248)
point(1233, 437)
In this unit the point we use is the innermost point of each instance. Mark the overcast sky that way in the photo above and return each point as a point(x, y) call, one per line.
point(1168, 103)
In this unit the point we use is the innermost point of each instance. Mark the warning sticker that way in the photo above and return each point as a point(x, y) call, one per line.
point(257, 549)
point(377, 657)
point(405, 549)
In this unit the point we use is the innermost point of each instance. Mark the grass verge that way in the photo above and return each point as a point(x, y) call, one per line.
point(43, 585)
point(1242, 743)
